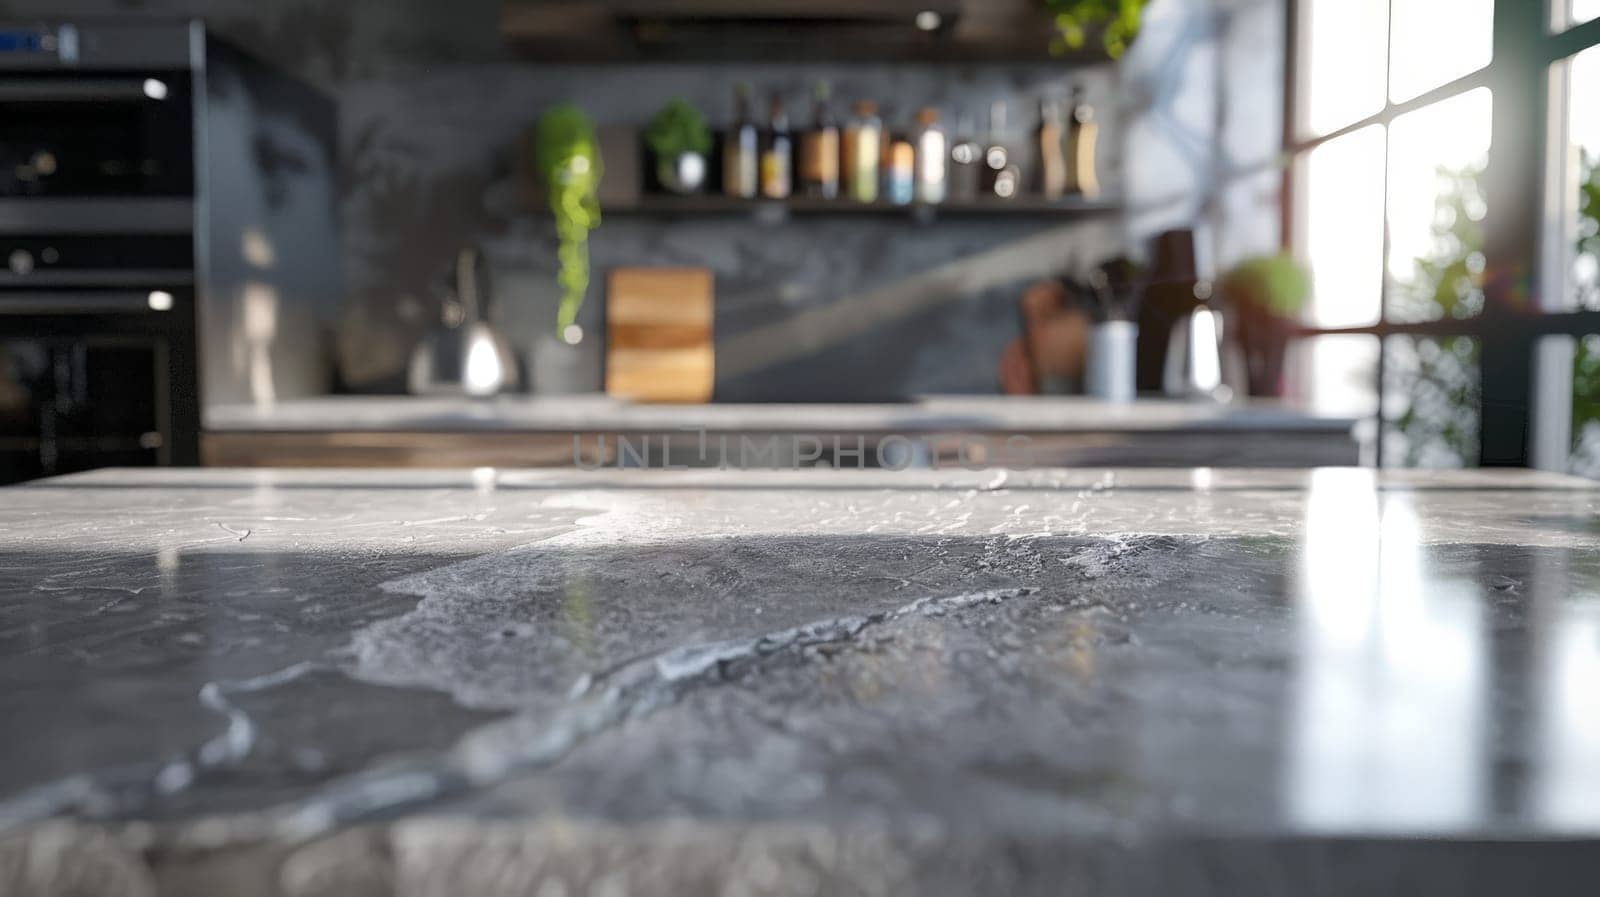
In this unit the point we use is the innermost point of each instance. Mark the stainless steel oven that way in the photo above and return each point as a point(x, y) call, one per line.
point(168, 235)
point(96, 351)
point(88, 273)
point(112, 134)
point(72, 403)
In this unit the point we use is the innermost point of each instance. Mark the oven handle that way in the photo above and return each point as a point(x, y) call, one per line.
point(81, 90)
point(109, 302)
point(96, 277)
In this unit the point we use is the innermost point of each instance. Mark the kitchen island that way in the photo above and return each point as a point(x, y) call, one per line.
point(809, 682)
point(524, 431)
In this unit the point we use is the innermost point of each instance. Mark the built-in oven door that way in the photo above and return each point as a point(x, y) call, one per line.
point(125, 135)
point(77, 403)
point(77, 274)
point(96, 342)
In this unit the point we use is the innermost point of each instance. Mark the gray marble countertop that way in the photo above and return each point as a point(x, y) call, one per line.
point(1012, 414)
point(811, 682)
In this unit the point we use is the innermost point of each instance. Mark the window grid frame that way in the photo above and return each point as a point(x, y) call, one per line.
point(1520, 329)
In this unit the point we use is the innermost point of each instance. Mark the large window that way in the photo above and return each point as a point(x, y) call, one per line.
point(1421, 132)
point(1572, 257)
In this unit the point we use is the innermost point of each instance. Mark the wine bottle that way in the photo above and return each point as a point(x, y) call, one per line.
point(1052, 162)
point(777, 179)
point(1081, 136)
point(863, 136)
point(900, 171)
point(819, 150)
point(996, 158)
point(739, 148)
point(965, 162)
point(932, 157)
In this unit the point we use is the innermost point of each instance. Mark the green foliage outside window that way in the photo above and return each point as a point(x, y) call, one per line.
point(1438, 376)
point(1586, 292)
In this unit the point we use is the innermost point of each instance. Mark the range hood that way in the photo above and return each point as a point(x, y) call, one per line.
point(791, 30)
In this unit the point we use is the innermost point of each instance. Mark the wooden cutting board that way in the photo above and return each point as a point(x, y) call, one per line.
point(658, 334)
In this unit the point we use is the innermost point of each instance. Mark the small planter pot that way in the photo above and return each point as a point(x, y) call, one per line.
point(1263, 339)
point(683, 174)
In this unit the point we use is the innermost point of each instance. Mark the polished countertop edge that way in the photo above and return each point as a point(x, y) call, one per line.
point(1093, 479)
point(927, 414)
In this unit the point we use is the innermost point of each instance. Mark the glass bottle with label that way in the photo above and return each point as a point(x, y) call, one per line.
point(900, 170)
point(1081, 136)
point(740, 147)
point(999, 179)
point(863, 137)
point(932, 157)
point(965, 162)
point(819, 150)
point(776, 154)
point(1052, 162)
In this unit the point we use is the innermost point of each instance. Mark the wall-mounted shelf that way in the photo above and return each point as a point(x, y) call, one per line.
point(699, 31)
point(625, 192)
point(706, 205)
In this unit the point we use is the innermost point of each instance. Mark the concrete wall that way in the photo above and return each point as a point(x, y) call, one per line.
point(431, 106)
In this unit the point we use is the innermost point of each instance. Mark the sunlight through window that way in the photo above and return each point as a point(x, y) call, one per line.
point(1345, 58)
point(1436, 206)
point(1578, 234)
point(1582, 11)
point(1437, 42)
point(1344, 228)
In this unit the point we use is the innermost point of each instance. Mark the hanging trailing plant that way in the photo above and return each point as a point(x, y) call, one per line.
point(1074, 19)
point(567, 159)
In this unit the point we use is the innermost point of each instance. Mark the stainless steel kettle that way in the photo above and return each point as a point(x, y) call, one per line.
point(463, 357)
point(1194, 361)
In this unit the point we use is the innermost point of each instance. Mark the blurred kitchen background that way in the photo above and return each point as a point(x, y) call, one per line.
point(1231, 209)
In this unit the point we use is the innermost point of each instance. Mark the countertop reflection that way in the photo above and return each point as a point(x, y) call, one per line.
point(972, 657)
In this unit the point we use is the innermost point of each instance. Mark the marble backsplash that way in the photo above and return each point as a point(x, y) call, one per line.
point(431, 107)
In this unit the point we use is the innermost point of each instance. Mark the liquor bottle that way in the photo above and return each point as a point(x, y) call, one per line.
point(1081, 136)
point(863, 136)
point(819, 150)
point(777, 178)
point(965, 161)
point(996, 158)
point(900, 172)
point(1052, 162)
point(932, 157)
point(739, 148)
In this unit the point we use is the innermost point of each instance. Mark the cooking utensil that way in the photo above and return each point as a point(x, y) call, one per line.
point(1193, 366)
point(466, 357)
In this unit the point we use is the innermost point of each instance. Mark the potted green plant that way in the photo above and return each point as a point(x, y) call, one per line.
point(679, 140)
point(1118, 21)
point(566, 158)
point(1266, 296)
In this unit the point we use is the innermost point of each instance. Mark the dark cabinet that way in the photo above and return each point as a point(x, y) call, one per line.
point(784, 30)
